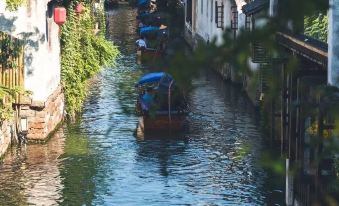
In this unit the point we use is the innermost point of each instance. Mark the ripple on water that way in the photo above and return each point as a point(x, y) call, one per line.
point(98, 161)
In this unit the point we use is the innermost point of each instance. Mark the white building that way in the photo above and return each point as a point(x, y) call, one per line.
point(208, 19)
point(333, 44)
point(33, 23)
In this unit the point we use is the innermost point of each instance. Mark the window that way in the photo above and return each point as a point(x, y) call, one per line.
point(234, 18)
point(219, 15)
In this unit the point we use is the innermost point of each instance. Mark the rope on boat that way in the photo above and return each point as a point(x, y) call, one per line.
point(169, 103)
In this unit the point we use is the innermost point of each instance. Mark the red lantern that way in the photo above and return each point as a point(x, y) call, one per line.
point(79, 8)
point(60, 15)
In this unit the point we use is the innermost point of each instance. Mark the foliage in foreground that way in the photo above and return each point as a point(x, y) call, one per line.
point(237, 53)
point(83, 54)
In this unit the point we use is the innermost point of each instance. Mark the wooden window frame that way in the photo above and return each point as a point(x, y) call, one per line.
point(219, 15)
point(234, 18)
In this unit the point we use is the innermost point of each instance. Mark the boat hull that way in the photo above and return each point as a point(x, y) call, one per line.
point(148, 55)
point(161, 123)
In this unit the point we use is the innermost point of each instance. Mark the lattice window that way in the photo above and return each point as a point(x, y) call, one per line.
point(219, 15)
point(234, 18)
point(259, 53)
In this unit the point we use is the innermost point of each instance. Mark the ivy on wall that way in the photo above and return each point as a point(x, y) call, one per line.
point(7, 98)
point(316, 26)
point(84, 53)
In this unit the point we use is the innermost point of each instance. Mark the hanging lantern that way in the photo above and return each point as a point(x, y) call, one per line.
point(60, 15)
point(79, 8)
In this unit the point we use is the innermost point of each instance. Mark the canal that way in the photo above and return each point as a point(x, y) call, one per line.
point(99, 161)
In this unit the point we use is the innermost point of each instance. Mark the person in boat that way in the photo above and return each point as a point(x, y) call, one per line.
point(153, 6)
point(147, 99)
point(141, 24)
point(141, 43)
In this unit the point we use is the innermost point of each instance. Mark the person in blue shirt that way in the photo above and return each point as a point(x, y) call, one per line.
point(147, 99)
point(141, 43)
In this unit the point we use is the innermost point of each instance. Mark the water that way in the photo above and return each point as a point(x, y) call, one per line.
point(99, 161)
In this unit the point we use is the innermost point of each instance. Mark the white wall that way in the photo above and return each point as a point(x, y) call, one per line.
point(206, 27)
point(333, 44)
point(42, 57)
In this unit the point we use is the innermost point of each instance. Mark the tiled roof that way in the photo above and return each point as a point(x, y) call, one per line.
point(305, 46)
point(254, 6)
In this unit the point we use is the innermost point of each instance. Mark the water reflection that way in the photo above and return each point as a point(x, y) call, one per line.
point(78, 168)
point(98, 160)
point(31, 175)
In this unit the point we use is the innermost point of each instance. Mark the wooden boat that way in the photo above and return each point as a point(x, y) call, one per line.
point(149, 55)
point(152, 54)
point(170, 110)
point(162, 122)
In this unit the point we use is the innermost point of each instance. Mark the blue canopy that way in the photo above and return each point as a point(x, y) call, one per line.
point(148, 29)
point(143, 3)
point(162, 77)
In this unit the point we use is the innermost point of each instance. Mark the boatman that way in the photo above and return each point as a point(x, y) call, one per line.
point(141, 43)
point(147, 99)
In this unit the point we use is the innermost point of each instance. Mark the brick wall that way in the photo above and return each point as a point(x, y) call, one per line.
point(44, 117)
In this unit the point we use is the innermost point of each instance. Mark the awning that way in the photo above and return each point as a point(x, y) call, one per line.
point(149, 29)
point(143, 3)
point(164, 80)
point(154, 77)
point(254, 6)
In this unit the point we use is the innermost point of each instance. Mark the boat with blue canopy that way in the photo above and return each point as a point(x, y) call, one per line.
point(143, 3)
point(161, 105)
point(160, 77)
point(149, 30)
point(156, 43)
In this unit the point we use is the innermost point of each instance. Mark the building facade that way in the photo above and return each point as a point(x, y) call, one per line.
point(33, 25)
point(290, 121)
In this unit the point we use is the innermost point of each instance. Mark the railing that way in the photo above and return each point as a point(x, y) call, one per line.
point(11, 62)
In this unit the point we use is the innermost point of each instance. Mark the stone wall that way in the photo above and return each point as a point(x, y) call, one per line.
point(44, 117)
point(5, 137)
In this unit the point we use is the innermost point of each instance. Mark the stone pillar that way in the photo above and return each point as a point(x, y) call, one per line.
point(333, 44)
